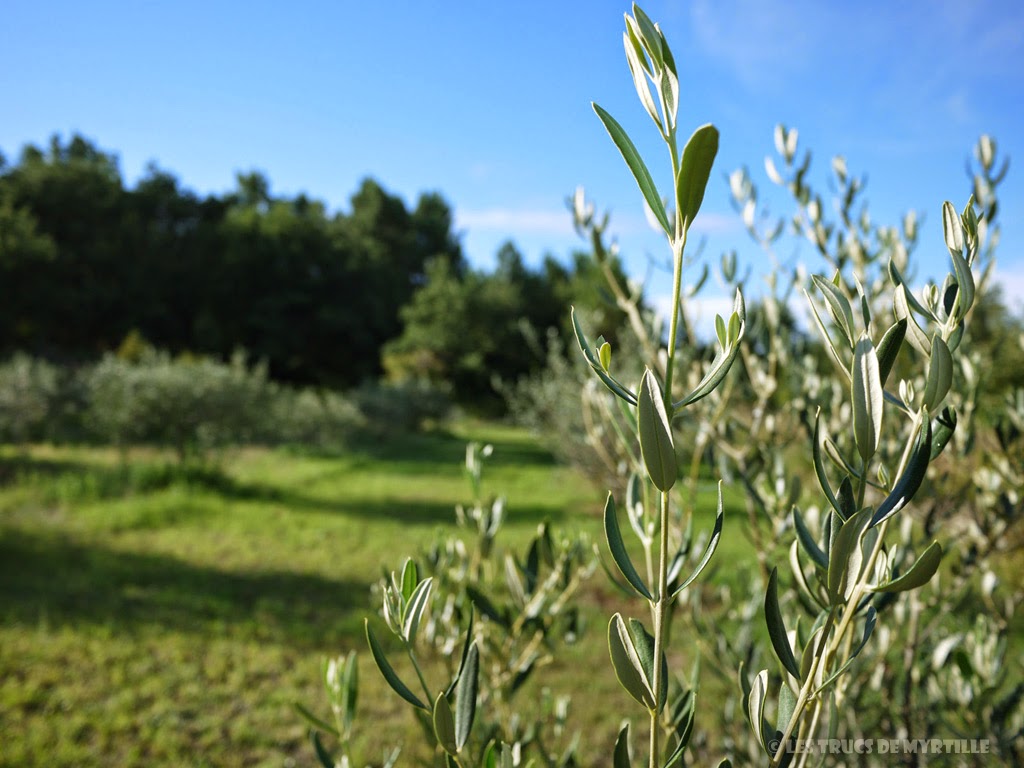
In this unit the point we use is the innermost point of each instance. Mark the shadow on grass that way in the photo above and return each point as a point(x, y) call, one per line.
point(16, 465)
point(415, 512)
point(49, 579)
point(69, 481)
point(438, 446)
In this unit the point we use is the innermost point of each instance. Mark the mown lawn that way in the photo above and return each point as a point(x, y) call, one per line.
point(155, 616)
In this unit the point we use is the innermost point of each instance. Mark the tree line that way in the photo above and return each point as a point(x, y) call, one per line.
point(324, 298)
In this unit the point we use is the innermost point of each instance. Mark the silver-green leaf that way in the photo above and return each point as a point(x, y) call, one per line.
point(629, 668)
point(845, 557)
point(444, 725)
point(620, 757)
point(829, 344)
point(723, 361)
point(635, 57)
point(389, 673)
point(777, 627)
point(951, 229)
point(940, 374)
point(889, 348)
point(595, 363)
point(656, 442)
point(694, 171)
point(920, 572)
point(965, 285)
point(866, 389)
point(869, 627)
point(807, 540)
point(901, 307)
point(716, 536)
point(908, 483)
point(410, 578)
point(618, 550)
point(465, 702)
point(839, 306)
point(636, 166)
point(755, 706)
point(819, 465)
point(414, 609)
point(942, 430)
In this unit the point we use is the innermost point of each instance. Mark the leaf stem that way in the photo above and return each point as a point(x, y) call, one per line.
point(677, 278)
point(660, 607)
point(805, 691)
point(419, 672)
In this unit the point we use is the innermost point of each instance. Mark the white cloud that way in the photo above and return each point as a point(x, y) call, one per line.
point(516, 221)
point(758, 40)
point(716, 224)
point(701, 312)
point(539, 221)
point(481, 171)
point(767, 45)
point(958, 106)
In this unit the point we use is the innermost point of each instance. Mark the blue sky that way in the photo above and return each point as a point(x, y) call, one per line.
point(489, 103)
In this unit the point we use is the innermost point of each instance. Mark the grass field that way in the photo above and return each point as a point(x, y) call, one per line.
point(151, 615)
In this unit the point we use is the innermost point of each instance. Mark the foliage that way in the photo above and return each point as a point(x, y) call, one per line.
point(190, 404)
point(401, 407)
point(29, 390)
point(85, 260)
point(479, 331)
point(281, 277)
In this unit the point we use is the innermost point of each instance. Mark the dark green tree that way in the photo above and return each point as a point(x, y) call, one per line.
point(73, 300)
point(473, 329)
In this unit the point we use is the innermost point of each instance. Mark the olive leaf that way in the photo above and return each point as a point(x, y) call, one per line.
point(716, 535)
point(845, 557)
point(388, 671)
point(596, 364)
point(943, 428)
point(414, 609)
point(466, 692)
point(952, 230)
point(444, 725)
point(889, 348)
point(620, 756)
point(777, 627)
point(656, 444)
point(637, 167)
point(639, 69)
point(626, 661)
point(902, 301)
point(910, 480)
point(618, 550)
point(869, 628)
point(940, 374)
point(723, 361)
point(819, 465)
point(807, 541)
point(920, 572)
point(755, 707)
point(866, 389)
point(694, 171)
point(839, 307)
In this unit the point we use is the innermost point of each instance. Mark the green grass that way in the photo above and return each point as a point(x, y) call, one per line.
point(158, 615)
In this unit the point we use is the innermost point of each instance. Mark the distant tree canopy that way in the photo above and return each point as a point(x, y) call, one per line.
point(84, 261)
point(469, 328)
